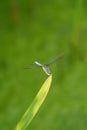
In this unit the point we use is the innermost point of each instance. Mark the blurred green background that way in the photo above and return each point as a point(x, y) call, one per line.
point(40, 30)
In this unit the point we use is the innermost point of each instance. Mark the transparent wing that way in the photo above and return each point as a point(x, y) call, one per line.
point(32, 66)
point(55, 59)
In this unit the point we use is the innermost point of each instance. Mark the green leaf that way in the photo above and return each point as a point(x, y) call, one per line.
point(34, 107)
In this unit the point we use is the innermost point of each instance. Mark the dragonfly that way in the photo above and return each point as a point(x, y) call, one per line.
point(45, 67)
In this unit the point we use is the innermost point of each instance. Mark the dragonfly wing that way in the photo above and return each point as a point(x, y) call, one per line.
point(38, 64)
point(32, 66)
point(55, 59)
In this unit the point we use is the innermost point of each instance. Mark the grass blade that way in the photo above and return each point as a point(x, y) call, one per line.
point(34, 107)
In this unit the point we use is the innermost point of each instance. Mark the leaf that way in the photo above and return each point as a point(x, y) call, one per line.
point(34, 107)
